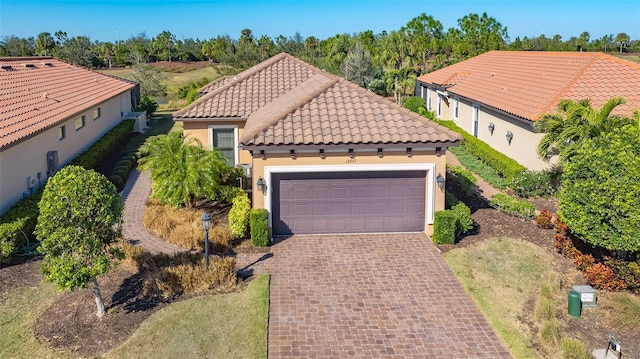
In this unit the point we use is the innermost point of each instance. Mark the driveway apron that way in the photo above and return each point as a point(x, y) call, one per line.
point(371, 296)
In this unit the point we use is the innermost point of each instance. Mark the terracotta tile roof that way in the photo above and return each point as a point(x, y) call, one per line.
point(288, 102)
point(530, 84)
point(215, 84)
point(39, 92)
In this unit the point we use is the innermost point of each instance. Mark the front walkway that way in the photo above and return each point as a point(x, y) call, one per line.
point(135, 195)
point(371, 296)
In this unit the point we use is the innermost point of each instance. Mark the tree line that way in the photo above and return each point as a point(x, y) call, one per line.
point(386, 62)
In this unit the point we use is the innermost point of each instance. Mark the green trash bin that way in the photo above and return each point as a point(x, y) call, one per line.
point(575, 305)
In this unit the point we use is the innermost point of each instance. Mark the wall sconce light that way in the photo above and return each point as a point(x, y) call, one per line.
point(261, 183)
point(292, 154)
point(509, 136)
point(380, 152)
point(440, 181)
point(322, 156)
point(351, 153)
point(491, 127)
point(262, 154)
point(438, 151)
point(409, 152)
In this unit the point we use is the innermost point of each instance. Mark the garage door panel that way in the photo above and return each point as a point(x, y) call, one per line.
point(348, 202)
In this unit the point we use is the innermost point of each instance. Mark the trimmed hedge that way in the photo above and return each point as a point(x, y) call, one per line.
point(239, 216)
point(444, 227)
point(464, 222)
point(90, 158)
point(463, 178)
point(505, 166)
point(450, 200)
point(259, 224)
point(17, 225)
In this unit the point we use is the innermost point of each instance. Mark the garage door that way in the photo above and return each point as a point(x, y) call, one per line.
point(352, 202)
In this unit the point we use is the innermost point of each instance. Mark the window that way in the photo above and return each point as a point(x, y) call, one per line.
point(439, 106)
point(95, 113)
point(62, 133)
point(429, 98)
point(225, 139)
point(79, 122)
point(456, 108)
point(476, 114)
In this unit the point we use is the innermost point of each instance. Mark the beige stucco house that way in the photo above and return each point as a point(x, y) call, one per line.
point(323, 154)
point(51, 111)
point(498, 96)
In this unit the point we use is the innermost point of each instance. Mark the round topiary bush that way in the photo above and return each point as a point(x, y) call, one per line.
point(119, 172)
point(117, 181)
point(123, 168)
point(125, 163)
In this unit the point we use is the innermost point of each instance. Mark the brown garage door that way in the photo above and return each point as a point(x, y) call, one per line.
point(352, 202)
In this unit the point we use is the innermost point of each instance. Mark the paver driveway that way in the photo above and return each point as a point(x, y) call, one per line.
point(371, 296)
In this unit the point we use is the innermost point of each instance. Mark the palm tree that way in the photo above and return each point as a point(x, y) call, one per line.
point(574, 123)
point(181, 169)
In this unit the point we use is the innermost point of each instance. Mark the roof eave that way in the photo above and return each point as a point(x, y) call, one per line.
point(253, 147)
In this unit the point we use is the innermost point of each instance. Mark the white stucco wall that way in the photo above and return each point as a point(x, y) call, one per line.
point(524, 144)
point(29, 157)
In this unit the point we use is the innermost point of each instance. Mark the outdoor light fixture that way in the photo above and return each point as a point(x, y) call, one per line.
point(491, 127)
point(322, 156)
point(261, 183)
point(262, 154)
point(509, 136)
point(440, 181)
point(380, 152)
point(351, 153)
point(206, 221)
point(438, 151)
point(292, 154)
point(409, 154)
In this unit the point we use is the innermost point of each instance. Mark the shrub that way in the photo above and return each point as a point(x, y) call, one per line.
point(125, 163)
point(444, 227)
point(510, 205)
point(192, 95)
point(628, 272)
point(505, 166)
point(259, 224)
point(117, 180)
point(550, 333)
point(124, 168)
point(574, 349)
point(602, 277)
point(545, 308)
point(226, 194)
point(239, 215)
point(536, 183)
point(221, 236)
point(551, 287)
point(478, 167)
point(627, 312)
point(450, 200)
point(582, 261)
point(17, 225)
point(120, 173)
point(463, 178)
point(464, 221)
point(543, 219)
point(148, 105)
point(414, 104)
point(90, 158)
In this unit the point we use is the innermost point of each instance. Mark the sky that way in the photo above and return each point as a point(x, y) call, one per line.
point(199, 19)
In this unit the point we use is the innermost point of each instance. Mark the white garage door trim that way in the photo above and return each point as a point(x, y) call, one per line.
point(429, 167)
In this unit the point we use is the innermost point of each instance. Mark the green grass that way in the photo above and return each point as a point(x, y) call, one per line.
point(220, 326)
point(478, 167)
point(18, 315)
point(173, 81)
point(626, 307)
point(501, 275)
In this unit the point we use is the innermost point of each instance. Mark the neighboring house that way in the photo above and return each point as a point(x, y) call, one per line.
point(51, 111)
point(324, 155)
point(498, 96)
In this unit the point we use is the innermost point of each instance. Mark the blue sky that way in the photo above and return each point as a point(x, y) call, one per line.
point(108, 20)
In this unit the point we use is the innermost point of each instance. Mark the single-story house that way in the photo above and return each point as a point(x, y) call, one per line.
point(51, 111)
point(498, 96)
point(324, 155)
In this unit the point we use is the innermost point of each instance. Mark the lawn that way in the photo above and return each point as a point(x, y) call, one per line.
point(173, 81)
point(502, 275)
point(219, 326)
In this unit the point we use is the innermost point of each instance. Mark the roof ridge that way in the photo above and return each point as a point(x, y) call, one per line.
point(320, 83)
point(25, 58)
point(236, 79)
point(219, 79)
point(564, 89)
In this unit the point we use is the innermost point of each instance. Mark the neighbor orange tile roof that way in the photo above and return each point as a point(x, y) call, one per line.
point(37, 93)
point(530, 84)
point(288, 102)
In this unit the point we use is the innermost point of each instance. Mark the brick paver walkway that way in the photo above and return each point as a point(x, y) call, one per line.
point(135, 195)
point(371, 296)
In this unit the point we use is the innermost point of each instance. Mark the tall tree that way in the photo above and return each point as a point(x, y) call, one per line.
point(482, 33)
point(606, 41)
point(45, 43)
point(573, 123)
point(622, 39)
point(17, 46)
point(164, 45)
point(181, 169)
point(80, 219)
point(425, 33)
point(78, 50)
point(357, 66)
point(150, 79)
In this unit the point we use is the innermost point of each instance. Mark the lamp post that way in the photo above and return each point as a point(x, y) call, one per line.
point(206, 221)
